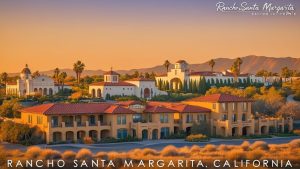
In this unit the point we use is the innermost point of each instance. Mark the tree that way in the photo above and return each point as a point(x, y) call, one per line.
point(136, 74)
point(62, 76)
point(36, 74)
point(4, 77)
point(203, 128)
point(235, 70)
point(239, 62)
point(56, 75)
point(147, 75)
point(167, 64)
point(9, 109)
point(289, 110)
point(78, 68)
point(286, 73)
point(212, 64)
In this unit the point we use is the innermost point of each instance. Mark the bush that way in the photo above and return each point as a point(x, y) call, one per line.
point(297, 132)
point(196, 138)
point(88, 140)
point(259, 145)
point(84, 154)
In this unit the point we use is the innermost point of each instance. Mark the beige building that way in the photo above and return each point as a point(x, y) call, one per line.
point(224, 115)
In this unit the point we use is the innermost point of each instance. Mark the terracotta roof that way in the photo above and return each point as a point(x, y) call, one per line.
point(11, 83)
point(220, 98)
point(111, 73)
point(129, 103)
point(140, 79)
point(78, 108)
point(181, 61)
point(162, 75)
point(120, 83)
point(180, 107)
point(159, 109)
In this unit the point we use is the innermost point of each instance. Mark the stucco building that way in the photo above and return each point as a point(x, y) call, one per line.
point(112, 86)
point(223, 115)
point(26, 85)
point(181, 75)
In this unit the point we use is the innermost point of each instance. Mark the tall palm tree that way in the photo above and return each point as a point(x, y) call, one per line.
point(235, 70)
point(239, 61)
point(212, 64)
point(56, 74)
point(4, 77)
point(78, 68)
point(167, 64)
point(62, 77)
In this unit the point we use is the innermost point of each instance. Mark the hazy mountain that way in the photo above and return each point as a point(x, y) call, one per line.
point(251, 64)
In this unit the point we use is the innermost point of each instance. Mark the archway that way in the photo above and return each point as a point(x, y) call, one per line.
point(246, 131)
point(99, 93)
point(45, 92)
point(93, 134)
point(24, 91)
point(57, 137)
point(176, 129)
point(93, 93)
point(154, 134)
point(40, 91)
point(235, 131)
point(264, 130)
point(176, 84)
point(188, 131)
point(223, 131)
point(145, 134)
point(104, 134)
point(146, 93)
point(50, 91)
point(35, 90)
point(69, 136)
point(80, 135)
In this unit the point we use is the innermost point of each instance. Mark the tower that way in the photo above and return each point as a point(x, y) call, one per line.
point(25, 73)
point(111, 76)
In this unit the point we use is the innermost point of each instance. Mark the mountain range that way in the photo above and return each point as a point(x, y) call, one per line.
point(251, 64)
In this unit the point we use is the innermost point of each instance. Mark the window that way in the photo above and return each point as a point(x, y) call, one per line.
point(137, 118)
point(214, 106)
point(224, 117)
point(39, 120)
point(234, 107)
point(164, 118)
point(245, 106)
point(189, 118)
point(121, 119)
point(234, 119)
point(164, 132)
point(244, 117)
point(29, 119)
point(92, 120)
point(121, 133)
point(225, 107)
point(54, 121)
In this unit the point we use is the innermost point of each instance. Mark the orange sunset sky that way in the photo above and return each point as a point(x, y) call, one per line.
point(135, 34)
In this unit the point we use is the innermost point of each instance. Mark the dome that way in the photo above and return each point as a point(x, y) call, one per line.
point(26, 70)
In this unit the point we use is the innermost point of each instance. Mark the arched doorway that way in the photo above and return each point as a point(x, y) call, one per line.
point(264, 130)
point(93, 93)
point(176, 84)
point(69, 136)
point(145, 134)
point(235, 131)
point(223, 131)
point(50, 91)
point(80, 135)
point(146, 93)
point(93, 134)
point(45, 92)
point(246, 131)
point(57, 137)
point(154, 134)
point(99, 93)
point(176, 129)
point(40, 91)
point(188, 131)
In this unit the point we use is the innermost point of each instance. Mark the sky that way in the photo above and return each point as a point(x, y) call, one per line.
point(127, 34)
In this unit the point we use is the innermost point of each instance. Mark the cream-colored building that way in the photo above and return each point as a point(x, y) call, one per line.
point(224, 115)
point(112, 86)
point(27, 85)
point(181, 75)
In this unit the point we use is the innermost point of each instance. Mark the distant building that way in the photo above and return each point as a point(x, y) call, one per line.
point(27, 85)
point(112, 86)
point(181, 75)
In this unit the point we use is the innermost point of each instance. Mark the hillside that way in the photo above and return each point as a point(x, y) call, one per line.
point(251, 64)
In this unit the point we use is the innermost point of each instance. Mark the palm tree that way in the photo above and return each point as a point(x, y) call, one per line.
point(4, 77)
point(56, 74)
point(212, 64)
point(36, 74)
point(167, 64)
point(239, 61)
point(78, 68)
point(286, 73)
point(62, 77)
point(235, 70)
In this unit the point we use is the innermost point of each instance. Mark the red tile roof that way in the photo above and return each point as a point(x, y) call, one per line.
point(220, 98)
point(11, 83)
point(162, 75)
point(180, 107)
point(159, 109)
point(129, 103)
point(79, 108)
point(203, 73)
point(120, 83)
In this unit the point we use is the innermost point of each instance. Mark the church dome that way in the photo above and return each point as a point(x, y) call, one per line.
point(26, 70)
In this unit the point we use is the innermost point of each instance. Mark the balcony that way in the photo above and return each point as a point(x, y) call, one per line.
point(98, 124)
